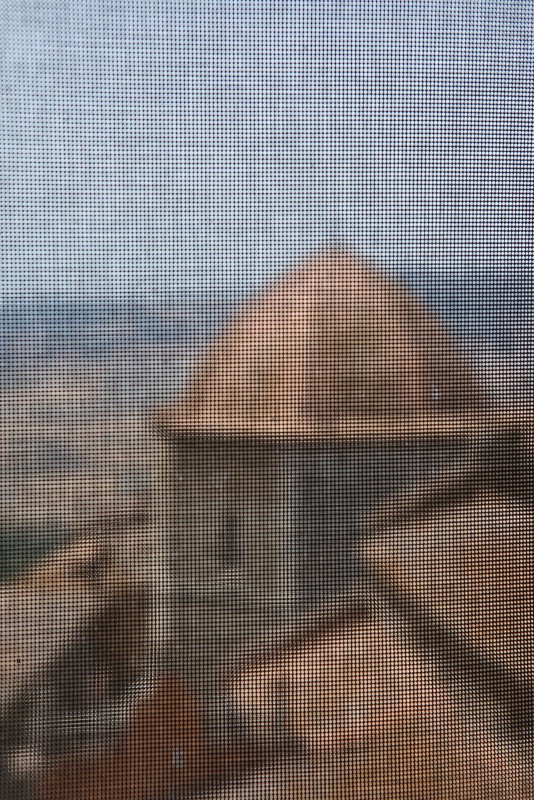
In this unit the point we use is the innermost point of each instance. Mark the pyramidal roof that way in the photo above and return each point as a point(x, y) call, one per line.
point(333, 349)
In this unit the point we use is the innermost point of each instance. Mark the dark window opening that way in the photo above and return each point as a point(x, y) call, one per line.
point(230, 550)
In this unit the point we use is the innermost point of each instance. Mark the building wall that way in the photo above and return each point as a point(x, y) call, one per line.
point(337, 488)
point(256, 531)
point(225, 514)
point(226, 517)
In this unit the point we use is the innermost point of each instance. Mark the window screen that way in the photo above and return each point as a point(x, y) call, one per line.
point(266, 399)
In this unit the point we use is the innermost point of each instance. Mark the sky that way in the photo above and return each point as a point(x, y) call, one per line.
point(154, 145)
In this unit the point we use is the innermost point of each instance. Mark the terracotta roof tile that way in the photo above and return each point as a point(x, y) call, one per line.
point(470, 566)
point(333, 349)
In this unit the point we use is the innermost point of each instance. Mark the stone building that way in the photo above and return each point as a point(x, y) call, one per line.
point(333, 437)
point(331, 392)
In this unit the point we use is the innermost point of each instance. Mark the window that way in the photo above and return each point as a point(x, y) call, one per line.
point(230, 541)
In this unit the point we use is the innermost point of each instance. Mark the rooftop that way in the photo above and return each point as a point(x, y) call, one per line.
point(337, 350)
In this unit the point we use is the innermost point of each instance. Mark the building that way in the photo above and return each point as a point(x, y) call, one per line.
point(331, 392)
point(343, 687)
point(73, 644)
point(331, 415)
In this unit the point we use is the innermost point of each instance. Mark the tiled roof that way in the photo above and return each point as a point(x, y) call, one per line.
point(468, 567)
point(345, 686)
point(334, 349)
point(49, 605)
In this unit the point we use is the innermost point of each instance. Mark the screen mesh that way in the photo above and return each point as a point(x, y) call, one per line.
point(266, 400)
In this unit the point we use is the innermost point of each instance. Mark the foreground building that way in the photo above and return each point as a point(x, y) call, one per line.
point(332, 392)
point(375, 718)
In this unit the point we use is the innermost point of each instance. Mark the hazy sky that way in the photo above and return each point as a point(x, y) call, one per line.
point(148, 144)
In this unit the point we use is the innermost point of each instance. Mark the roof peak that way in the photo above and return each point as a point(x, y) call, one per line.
point(333, 339)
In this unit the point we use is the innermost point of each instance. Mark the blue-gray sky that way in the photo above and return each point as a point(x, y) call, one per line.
point(154, 144)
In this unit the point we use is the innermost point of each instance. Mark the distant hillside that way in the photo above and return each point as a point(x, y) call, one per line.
point(48, 329)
